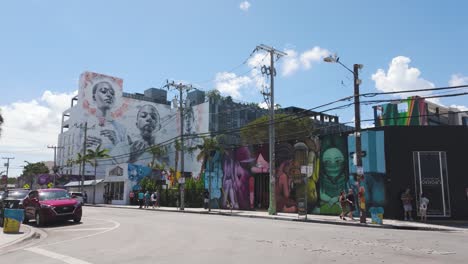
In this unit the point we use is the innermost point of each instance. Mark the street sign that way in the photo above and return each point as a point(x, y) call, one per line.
point(360, 170)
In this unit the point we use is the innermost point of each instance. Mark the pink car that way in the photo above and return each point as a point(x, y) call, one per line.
point(51, 205)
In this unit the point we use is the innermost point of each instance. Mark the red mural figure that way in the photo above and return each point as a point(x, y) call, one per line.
point(284, 159)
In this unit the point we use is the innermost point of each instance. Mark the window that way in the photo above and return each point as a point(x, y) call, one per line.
point(116, 190)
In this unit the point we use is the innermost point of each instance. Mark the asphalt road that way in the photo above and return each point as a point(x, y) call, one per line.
point(110, 235)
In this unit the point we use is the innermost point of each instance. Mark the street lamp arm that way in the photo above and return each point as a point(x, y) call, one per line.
point(351, 71)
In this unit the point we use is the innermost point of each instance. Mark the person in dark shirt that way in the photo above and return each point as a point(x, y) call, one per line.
point(351, 205)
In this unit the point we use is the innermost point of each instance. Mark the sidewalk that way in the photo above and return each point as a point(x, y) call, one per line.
point(26, 232)
point(322, 219)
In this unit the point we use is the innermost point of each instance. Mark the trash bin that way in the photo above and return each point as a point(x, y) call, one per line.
point(12, 220)
point(377, 215)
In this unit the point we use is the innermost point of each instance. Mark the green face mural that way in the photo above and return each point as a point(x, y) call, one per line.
point(333, 174)
point(333, 162)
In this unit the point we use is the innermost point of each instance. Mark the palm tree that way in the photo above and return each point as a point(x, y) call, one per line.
point(207, 151)
point(92, 158)
point(156, 152)
point(81, 161)
point(178, 148)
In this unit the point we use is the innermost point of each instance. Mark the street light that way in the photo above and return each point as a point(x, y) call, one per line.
point(357, 123)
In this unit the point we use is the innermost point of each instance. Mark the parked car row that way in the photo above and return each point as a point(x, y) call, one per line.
point(43, 205)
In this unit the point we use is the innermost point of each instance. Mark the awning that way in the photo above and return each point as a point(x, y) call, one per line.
point(85, 183)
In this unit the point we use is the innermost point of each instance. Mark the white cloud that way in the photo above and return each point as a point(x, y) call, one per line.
point(458, 79)
point(30, 126)
point(244, 6)
point(316, 54)
point(400, 76)
point(294, 61)
point(460, 107)
point(290, 63)
point(229, 83)
point(263, 105)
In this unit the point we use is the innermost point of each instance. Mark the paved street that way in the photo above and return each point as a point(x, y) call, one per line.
point(112, 235)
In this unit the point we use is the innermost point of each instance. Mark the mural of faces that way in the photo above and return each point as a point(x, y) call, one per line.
point(147, 120)
point(104, 95)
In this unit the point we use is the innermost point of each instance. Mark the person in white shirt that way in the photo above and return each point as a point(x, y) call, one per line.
point(423, 203)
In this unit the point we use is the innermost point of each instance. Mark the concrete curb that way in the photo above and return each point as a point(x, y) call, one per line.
point(317, 221)
point(31, 234)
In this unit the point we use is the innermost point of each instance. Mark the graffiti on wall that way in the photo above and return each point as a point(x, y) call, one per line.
point(126, 125)
point(333, 174)
point(374, 172)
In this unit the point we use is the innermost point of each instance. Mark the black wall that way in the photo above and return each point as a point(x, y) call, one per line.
point(400, 142)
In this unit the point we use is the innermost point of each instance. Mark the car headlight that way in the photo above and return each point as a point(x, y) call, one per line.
point(77, 204)
point(45, 206)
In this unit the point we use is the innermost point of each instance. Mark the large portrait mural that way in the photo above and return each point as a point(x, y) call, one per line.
point(127, 126)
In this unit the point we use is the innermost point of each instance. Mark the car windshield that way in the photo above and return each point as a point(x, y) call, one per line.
point(53, 195)
point(17, 194)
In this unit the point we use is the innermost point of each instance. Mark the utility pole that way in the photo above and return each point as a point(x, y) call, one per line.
point(181, 88)
point(55, 169)
point(357, 133)
point(7, 165)
point(357, 125)
point(271, 71)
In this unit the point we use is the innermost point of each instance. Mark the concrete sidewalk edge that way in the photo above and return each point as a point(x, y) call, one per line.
point(31, 234)
point(318, 221)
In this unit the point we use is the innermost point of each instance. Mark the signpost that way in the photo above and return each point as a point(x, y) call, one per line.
point(302, 202)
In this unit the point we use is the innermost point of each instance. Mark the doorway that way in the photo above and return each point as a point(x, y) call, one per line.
point(431, 178)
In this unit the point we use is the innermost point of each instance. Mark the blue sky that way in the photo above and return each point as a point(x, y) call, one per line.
point(46, 45)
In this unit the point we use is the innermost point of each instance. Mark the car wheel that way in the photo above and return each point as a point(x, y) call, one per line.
point(39, 221)
point(77, 219)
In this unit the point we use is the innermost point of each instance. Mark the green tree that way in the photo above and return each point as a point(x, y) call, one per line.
point(92, 158)
point(207, 151)
point(214, 95)
point(81, 161)
point(31, 170)
point(178, 148)
point(287, 127)
point(157, 152)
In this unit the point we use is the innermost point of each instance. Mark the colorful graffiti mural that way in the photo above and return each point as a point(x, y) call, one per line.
point(332, 174)
point(411, 112)
point(239, 177)
point(373, 162)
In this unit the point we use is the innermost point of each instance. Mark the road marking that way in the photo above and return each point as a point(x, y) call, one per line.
point(116, 225)
point(81, 229)
point(50, 254)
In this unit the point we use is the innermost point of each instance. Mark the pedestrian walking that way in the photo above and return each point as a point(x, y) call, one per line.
point(147, 199)
point(423, 203)
point(344, 205)
point(85, 197)
point(407, 199)
point(206, 199)
point(158, 197)
point(141, 197)
point(352, 206)
point(153, 199)
point(132, 197)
